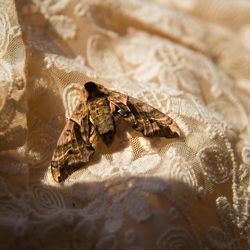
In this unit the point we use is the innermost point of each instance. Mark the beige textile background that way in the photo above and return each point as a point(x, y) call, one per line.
point(191, 60)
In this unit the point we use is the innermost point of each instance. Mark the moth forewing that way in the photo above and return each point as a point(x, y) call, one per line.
point(73, 146)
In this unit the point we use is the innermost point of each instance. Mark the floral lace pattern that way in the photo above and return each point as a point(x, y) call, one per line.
point(186, 60)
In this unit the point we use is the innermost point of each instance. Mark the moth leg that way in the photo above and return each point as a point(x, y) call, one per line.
point(92, 134)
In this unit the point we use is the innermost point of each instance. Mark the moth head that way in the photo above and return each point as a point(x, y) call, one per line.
point(93, 90)
point(90, 87)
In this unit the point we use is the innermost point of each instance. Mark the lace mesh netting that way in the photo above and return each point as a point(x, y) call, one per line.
point(191, 60)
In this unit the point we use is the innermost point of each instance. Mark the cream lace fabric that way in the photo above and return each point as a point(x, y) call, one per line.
point(190, 59)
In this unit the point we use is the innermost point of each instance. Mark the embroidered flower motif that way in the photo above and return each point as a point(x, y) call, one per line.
point(68, 64)
point(71, 96)
point(176, 168)
point(120, 197)
point(123, 164)
point(216, 164)
point(46, 198)
point(177, 238)
point(6, 82)
point(64, 26)
point(5, 32)
point(51, 6)
point(218, 239)
point(246, 155)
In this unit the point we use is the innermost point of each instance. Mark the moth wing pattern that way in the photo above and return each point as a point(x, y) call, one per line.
point(144, 118)
point(73, 147)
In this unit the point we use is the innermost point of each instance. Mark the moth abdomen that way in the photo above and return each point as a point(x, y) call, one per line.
point(102, 119)
point(108, 137)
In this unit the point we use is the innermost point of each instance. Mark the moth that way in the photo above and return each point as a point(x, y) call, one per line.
point(96, 117)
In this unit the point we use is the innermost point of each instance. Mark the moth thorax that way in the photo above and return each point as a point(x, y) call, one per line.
point(100, 115)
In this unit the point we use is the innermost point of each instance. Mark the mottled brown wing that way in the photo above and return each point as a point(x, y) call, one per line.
point(73, 147)
point(143, 117)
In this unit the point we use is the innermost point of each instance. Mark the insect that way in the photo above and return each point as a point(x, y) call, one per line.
point(96, 116)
